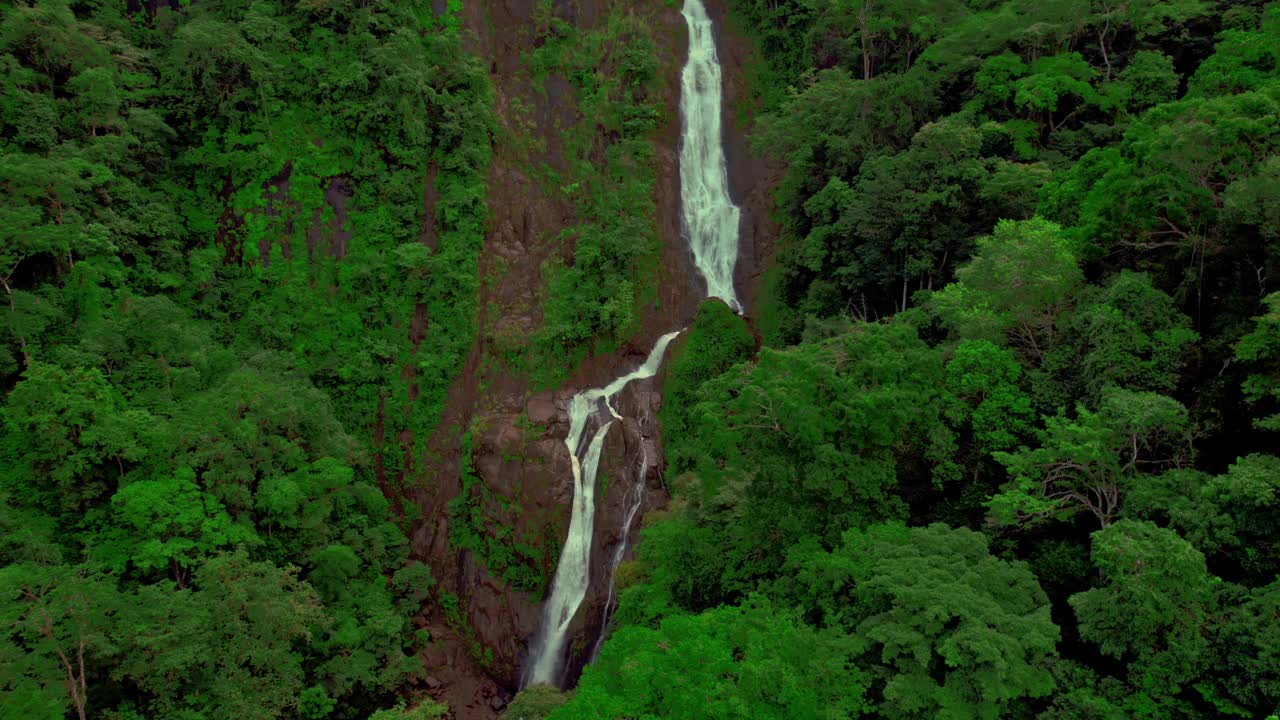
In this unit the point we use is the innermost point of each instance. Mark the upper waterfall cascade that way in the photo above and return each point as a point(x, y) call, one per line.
point(710, 217)
point(711, 223)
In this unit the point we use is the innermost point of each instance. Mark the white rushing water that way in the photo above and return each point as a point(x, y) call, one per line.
point(570, 583)
point(710, 217)
point(711, 222)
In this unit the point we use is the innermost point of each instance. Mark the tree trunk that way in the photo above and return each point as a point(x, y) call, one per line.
point(1102, 43)
point(866, 40)
point(22, 341)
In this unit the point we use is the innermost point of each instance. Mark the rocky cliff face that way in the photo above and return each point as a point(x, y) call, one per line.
point(518, 434)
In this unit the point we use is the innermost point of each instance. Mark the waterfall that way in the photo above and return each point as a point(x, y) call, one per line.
point(632, 501)
point(710, 217)
point(711, 224)
point(569, 586)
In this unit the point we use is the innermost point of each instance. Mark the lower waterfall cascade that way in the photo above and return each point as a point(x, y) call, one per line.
point(710, 222)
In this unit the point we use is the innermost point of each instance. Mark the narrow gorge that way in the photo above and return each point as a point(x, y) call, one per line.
point(710, 223)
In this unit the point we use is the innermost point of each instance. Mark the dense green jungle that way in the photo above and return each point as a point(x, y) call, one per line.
point(996, 435)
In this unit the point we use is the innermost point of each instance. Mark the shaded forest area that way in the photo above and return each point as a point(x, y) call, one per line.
point(232, 317)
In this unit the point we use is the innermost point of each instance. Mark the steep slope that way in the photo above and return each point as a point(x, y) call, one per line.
point(500, 446)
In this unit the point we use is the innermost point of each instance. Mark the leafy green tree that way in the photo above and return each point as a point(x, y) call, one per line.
point(1246, 651)
point(1227, 516)
point(1082, 695)
point(985, 378)
point(907, 220)
point(1152, 606)
point(233, 646)
point(1243, 60)
point(57, 623)
point(1164, 192)
point(1012, 288)
point(65, 427)
point(944, 628)
point(1126, 333)
point(996, 81)
point(730, 662)
point(681, 566)
point(1055, 84)
point(27, 535)
point(535, 702)
point(805, 442)
point(1242, 503)
point(168, 524)
point(717, 340)
point(262, 420)
point(315, 704)
point(1148, 80)
point(1084, 463)
point(1261, 349)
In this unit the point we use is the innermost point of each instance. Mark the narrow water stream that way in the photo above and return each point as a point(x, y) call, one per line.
point(710, 221)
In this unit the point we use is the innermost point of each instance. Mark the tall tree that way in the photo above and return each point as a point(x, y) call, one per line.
point(1084, 463)
point(57, 626)
point(1011, 290)
point(944, 628)
point(1152, 607)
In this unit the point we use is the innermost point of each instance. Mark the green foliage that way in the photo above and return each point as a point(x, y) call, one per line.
point(425, 710)
point(212, 247)
point(1126, 333)
point(1248, 494)
point(1164, 193)
point(50, 615)
point(1244, 60)
point(598, 296)
point(904, 223)
point(518, 564)
point(731, 662)
point(803, 442)
point(63, 420)
point(1080, 200)
point(535, 702)
point(1148, 80)
point(923, 599)
point(717, 340)
point(1086, 462)
point(1153, 605)
point(314, 703)
point(1246, 645)
point(231, 326)
point(1261, 350)
point(1052, 83)
point(1013, 287)
point(1225, 516)
point(985, 378)
point(169, 524)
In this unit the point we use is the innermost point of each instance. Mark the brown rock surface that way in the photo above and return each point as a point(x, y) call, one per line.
point(517, 433)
